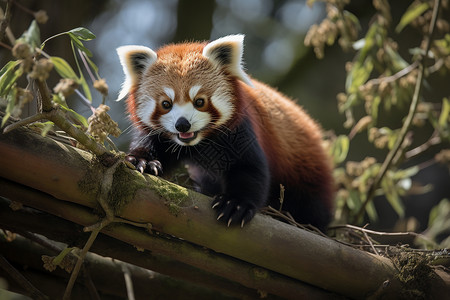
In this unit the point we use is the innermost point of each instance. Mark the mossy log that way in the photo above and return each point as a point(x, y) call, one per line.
point(266, 254)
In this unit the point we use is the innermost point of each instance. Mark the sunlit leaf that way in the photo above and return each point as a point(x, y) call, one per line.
point(413, 11)
point(10, 107)
point(63, 104)
point(47, 127)
point(79, 44)
point(406, 173)
point(340, 149)
point(374, 109)
point(8, 76)
point(82, 120)
point(63, 68)
point(82, 33)
point(444, 117)
point(358, 75)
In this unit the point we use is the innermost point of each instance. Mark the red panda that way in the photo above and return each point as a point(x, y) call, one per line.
point(193, 103)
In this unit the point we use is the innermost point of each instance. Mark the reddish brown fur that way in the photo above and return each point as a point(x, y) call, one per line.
point(290, 139)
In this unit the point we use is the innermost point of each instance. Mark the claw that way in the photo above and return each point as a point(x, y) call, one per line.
point(242, 223)
point(155, 170)
point(141, 169)
point(229, 222)
point(215, 205)
point(220, 216)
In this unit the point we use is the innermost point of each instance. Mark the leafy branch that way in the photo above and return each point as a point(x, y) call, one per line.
point(397, 148)
point(53, 107)
point(379, 77)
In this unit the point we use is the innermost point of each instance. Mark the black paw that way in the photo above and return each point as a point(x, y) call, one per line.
point(153, 167)
point(233, 211)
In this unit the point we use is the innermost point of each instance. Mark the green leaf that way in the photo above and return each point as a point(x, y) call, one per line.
point(82, 33)
point(371, 211)
point(10, 107)
point(443, 118)
point(406, 173)
point(79, 44)
point(413, 11)
point(340, 149)
point(8, 77)
point(46, 128)
point(375, 108)
point(93, 66)
point(32, 36)
point(86, 90)
point(63, 104)
point(63, 68)
point(76, 116)
point(392, 196)
point(358, 75)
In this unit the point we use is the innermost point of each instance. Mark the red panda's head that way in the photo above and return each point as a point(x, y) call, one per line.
point(183, 91)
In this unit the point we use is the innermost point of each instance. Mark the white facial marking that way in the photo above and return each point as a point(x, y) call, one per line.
point(198, 120)
point(146, 109)
point(222, 102)
point(170, 93)
point(194, 91)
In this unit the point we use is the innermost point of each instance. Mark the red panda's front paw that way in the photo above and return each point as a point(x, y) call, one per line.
point(153, 167)
point(233, 211)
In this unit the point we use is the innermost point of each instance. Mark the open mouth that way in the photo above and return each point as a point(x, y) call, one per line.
point(186, 137)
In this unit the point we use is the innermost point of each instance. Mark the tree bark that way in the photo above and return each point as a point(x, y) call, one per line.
point(285, 256)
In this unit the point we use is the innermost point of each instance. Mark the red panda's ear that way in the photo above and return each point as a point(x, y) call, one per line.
point(135, 60)
point(227, 52)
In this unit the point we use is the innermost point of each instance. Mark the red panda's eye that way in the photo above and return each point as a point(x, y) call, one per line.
point(166, 104)
point(199, 102)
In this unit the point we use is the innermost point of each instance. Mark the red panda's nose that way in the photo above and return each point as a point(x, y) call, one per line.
point(182, 124)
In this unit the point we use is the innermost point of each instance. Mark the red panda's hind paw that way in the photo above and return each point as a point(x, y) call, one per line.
point(153, 167)
point(233, 211)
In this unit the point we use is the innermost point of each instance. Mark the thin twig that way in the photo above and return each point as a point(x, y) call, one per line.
point(85, 100)
point(76, 270)
point(26, 121)
point(6, 19)
point(406, 125)
point(5, 46)
point(396, 76)
point(24, 8)
point(353, 227)
point(370, 243)
point(433, 140)
point(21, 280)
point(86, 65)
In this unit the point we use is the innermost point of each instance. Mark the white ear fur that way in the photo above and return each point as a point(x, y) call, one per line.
point(135, 60)
point(227, 52)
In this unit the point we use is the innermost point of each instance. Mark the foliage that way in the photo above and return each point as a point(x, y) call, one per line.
point(35, 64)
point(378, 80)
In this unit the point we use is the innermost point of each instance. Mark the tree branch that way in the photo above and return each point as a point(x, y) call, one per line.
point(266, 255)
point(168, 256)
point(185, 214)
